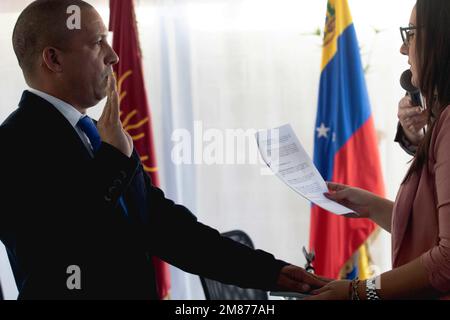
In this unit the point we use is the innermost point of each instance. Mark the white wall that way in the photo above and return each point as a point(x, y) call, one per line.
point(256, 65)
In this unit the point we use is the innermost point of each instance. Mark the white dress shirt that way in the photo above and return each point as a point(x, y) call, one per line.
point(69, 112)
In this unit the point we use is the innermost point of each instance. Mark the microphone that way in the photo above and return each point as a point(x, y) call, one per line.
point(413, 92)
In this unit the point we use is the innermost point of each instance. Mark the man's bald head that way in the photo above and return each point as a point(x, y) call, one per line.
point(42, 24)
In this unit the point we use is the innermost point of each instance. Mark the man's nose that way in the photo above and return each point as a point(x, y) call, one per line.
point(111, 58)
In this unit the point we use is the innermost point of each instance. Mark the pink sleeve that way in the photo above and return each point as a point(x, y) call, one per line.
point(437, 260)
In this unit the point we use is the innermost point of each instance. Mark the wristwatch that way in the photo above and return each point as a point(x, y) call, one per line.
point(371, 289)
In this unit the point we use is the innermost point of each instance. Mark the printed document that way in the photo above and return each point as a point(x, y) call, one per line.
point(285, 156)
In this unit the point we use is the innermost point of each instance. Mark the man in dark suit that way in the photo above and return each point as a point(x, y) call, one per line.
point(75, 197)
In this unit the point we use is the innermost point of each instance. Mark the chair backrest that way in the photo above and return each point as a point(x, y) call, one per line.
point(215, 290)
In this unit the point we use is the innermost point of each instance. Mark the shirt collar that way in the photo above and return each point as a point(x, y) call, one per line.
point(68, 111)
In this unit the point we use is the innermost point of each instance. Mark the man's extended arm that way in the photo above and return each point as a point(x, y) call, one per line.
point(175, 235)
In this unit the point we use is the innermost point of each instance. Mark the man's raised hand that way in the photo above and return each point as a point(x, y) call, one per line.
point(109, 125)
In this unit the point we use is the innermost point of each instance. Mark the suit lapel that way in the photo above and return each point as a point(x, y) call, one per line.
point(50, 120)
point(66, 142)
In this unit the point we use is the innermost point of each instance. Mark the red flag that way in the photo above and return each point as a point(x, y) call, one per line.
point(134, 108)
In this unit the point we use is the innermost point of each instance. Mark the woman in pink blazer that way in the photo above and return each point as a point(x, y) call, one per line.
point(419, 219)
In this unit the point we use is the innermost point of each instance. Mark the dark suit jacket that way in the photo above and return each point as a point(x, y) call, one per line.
point(59, 207)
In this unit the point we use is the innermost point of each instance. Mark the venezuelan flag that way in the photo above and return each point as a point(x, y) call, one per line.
point(345, 145)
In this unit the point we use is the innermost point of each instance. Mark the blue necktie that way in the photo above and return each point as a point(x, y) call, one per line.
point(88, 127)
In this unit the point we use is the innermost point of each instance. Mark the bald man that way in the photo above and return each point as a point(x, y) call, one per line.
point(80, 218)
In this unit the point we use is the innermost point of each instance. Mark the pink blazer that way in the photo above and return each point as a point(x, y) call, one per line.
point(421, 216)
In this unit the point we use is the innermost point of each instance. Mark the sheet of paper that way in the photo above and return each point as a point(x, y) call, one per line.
point(285, 156)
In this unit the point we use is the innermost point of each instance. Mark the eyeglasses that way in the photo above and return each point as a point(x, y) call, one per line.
point(407, 33)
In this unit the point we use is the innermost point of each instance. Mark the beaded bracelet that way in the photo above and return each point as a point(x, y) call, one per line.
point(354, 285)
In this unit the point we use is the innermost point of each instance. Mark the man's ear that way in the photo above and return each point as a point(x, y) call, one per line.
point(51, 58)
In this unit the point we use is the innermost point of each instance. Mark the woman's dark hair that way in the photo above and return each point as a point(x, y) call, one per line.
point(433, 58)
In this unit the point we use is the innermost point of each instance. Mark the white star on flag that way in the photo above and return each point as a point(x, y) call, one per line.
point(323, 131)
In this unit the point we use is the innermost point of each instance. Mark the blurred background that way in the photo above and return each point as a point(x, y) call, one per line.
point(242, 64)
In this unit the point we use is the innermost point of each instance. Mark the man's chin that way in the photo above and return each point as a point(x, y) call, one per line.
point(96, 98)
point(102, 94)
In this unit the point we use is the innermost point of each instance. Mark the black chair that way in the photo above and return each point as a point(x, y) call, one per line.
point(215, 290)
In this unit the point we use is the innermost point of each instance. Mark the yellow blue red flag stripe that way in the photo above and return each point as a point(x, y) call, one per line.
point(345, 144)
